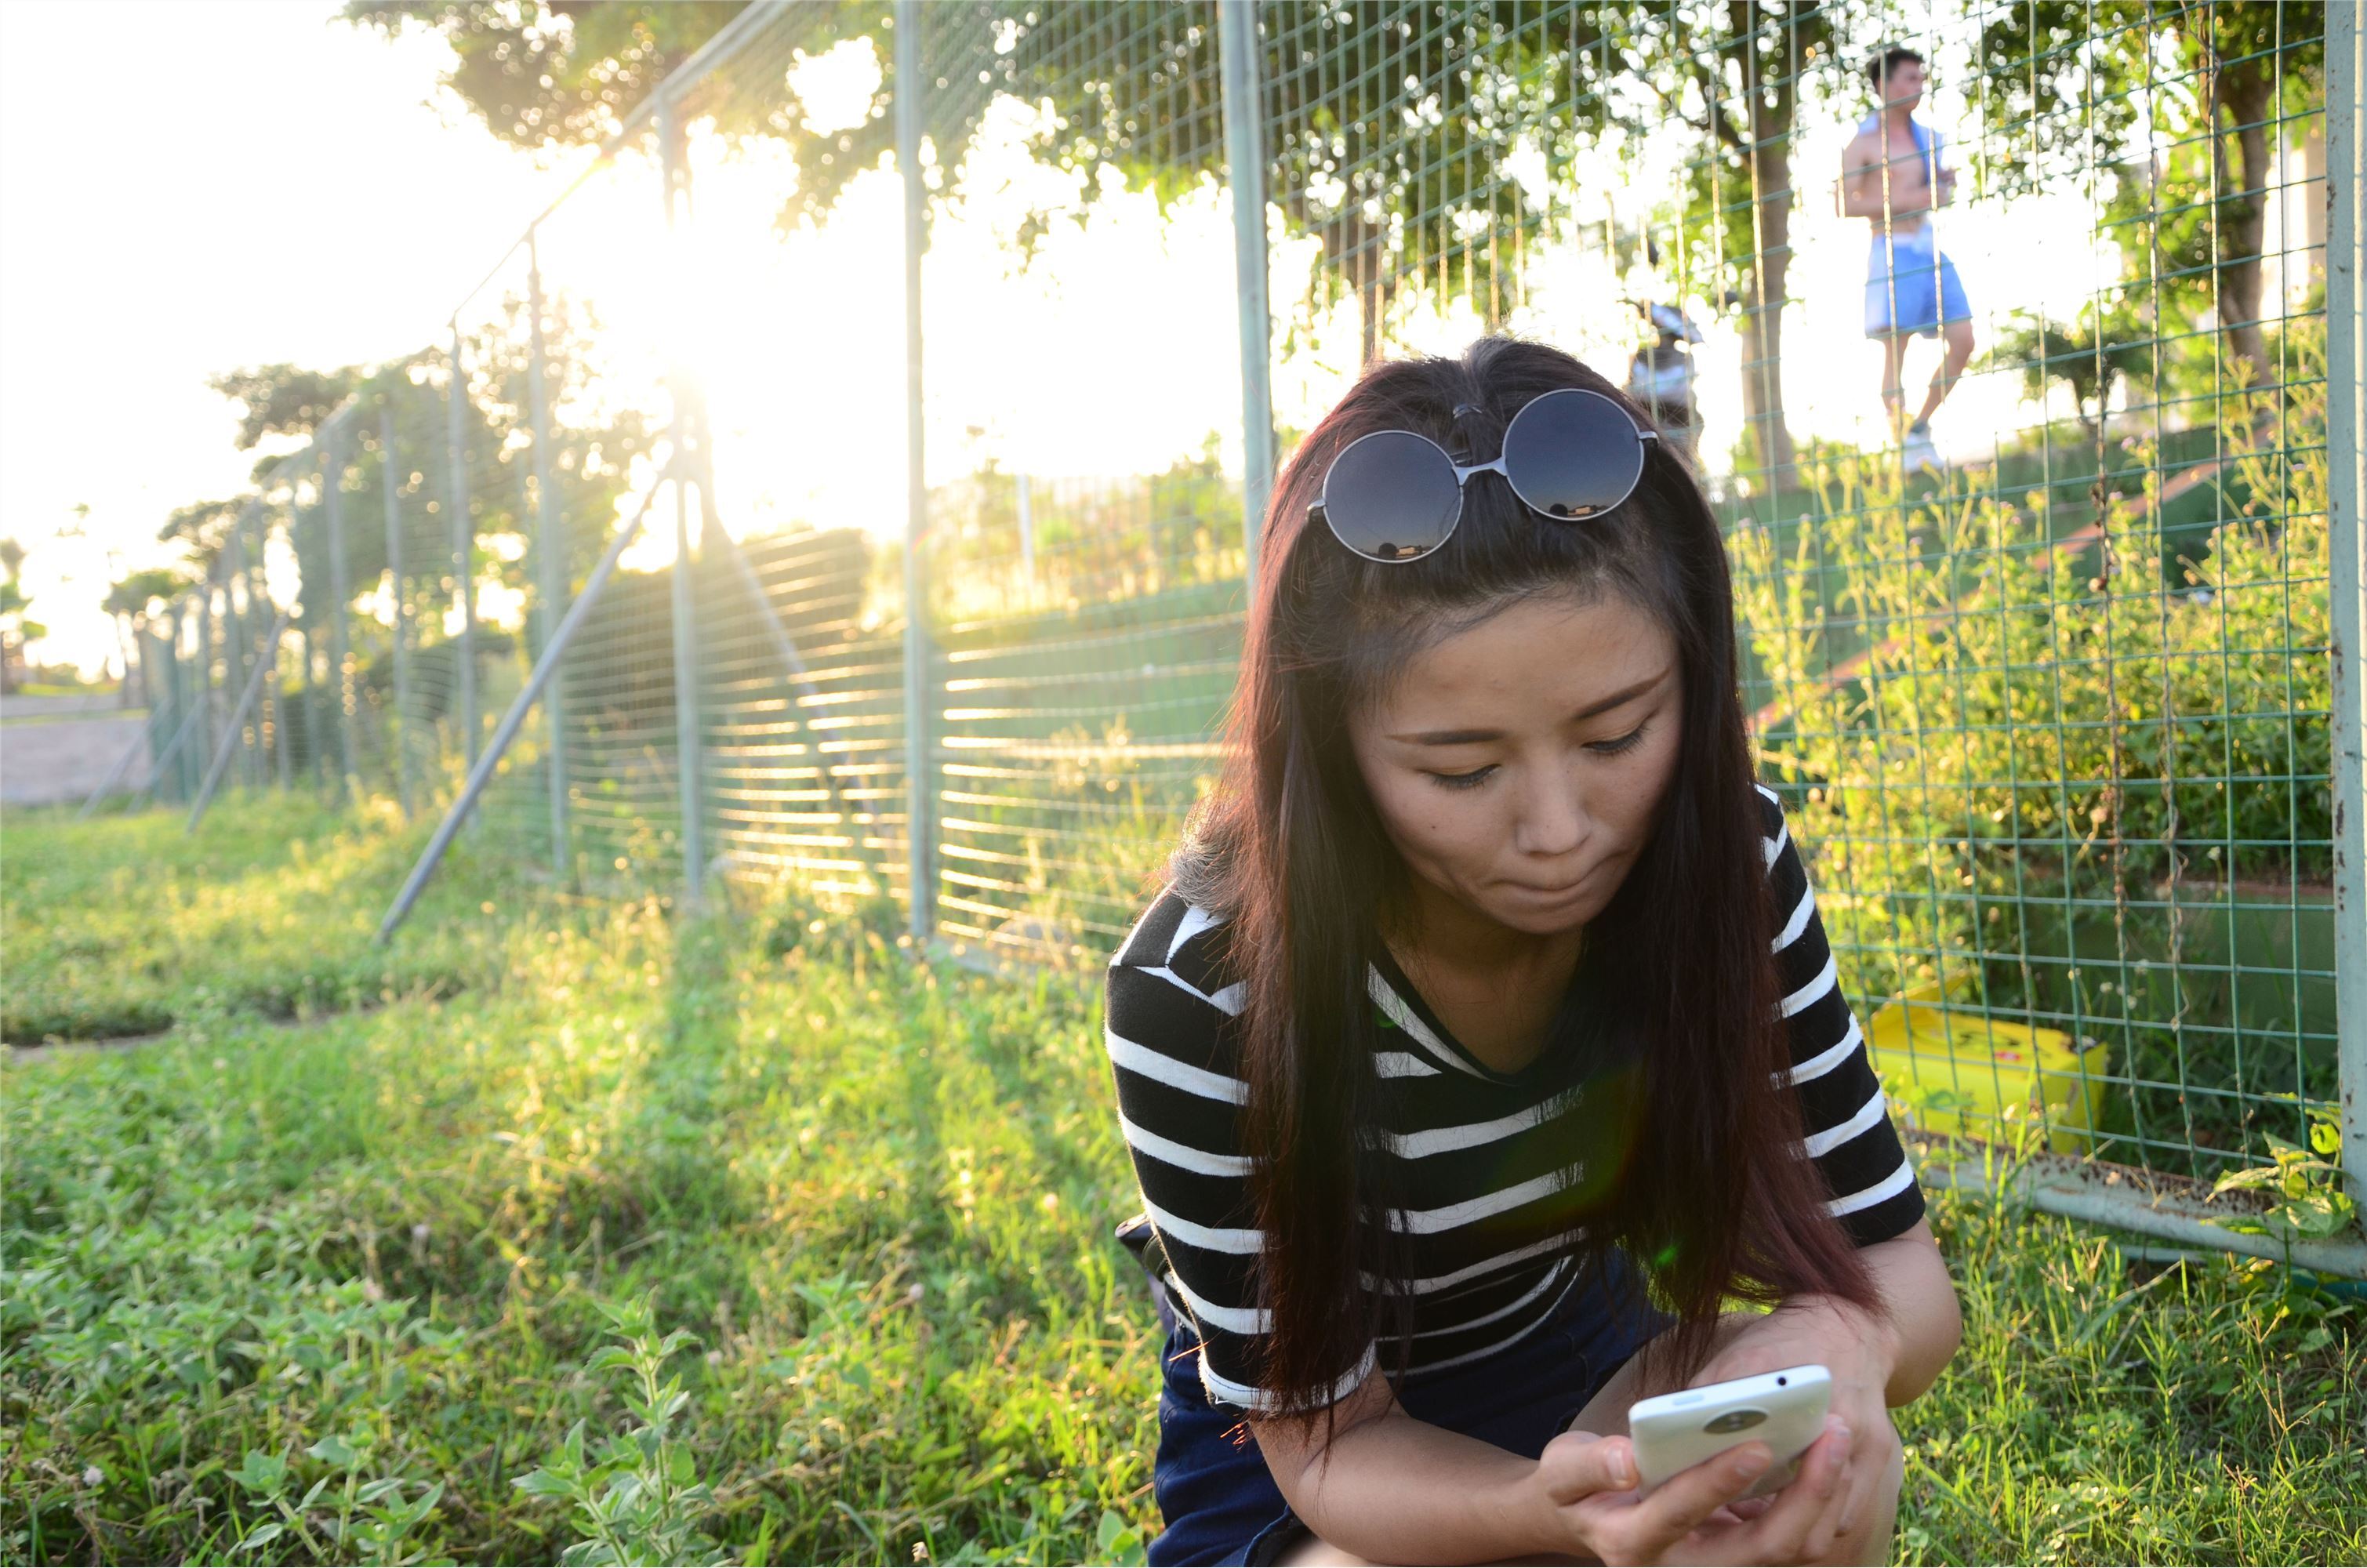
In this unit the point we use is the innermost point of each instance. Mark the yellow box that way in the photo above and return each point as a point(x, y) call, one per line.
point(1955, 1071)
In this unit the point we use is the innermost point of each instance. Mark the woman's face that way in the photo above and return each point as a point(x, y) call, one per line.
point(1519, 765)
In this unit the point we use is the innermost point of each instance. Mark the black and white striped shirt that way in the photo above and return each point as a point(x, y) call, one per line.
point(1500, 1172)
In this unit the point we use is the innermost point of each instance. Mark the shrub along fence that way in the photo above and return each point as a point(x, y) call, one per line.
point(2066, 704)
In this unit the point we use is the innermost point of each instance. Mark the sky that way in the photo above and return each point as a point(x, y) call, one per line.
point(174, 179)
point(261, 183)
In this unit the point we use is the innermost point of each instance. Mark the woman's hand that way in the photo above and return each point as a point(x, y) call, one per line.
point(1860, 1351)
point(1588, 1485)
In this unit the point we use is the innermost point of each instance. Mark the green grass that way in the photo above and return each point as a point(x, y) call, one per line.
point(384, 1245)
point(125, 925)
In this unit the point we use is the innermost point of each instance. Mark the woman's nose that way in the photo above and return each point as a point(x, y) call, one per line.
point(1553, 818)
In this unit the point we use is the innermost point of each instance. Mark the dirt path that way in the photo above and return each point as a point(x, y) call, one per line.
point(55, 751)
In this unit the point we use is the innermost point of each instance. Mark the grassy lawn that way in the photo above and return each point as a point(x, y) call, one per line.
point(123, 926)
point(387, 1249)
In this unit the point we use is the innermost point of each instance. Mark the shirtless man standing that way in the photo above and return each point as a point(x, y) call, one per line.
point(1893, 175)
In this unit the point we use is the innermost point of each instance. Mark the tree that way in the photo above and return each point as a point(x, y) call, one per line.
point(16, 628)
point(2086, 355)
point(130, 600)
point(1393, 177)
point(2243, 51)
point(556, 73)
point(2072, 76)
point(284, 399)
point(203, 527)
point(1734, 74)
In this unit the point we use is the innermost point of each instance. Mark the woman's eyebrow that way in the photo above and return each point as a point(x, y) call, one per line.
point(1474, 737)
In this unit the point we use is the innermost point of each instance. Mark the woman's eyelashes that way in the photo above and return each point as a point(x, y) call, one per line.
point(1626, 742)
point(1610, 748)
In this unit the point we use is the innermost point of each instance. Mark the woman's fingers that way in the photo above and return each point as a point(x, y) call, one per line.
point(1857, 1498)
point(1689, 1499)
point(1874, 1474)
point(1828, 1528)
point(1577, 1465)
point(1787, 1531)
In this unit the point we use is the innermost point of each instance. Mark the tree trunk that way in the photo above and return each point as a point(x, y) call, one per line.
point(1771, 249)
point(1352, 247)
point(2243, 91)
point(1771, 265)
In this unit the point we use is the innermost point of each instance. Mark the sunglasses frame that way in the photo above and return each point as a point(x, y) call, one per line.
point(1319, 510)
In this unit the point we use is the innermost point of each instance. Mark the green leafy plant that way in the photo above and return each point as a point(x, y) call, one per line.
point(2304, 1186)
point(640, 1500)
point(340, 1517)
point(1121, 1543)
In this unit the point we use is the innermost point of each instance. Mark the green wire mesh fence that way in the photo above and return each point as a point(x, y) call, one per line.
point(2050, 683)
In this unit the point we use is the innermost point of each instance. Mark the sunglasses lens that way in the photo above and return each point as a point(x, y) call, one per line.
point(1573, 453)
point(1391, 496)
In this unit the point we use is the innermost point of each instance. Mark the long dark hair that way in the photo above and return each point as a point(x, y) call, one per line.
point(1717, 1201)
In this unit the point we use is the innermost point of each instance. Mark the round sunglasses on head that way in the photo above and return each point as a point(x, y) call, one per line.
point(1396, 495)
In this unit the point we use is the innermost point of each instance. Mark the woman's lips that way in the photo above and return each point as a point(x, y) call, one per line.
point(1566, 890)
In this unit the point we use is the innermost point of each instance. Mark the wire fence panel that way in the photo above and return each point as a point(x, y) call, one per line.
point(804, 734)
point(2012, 398)
point(1088, 565)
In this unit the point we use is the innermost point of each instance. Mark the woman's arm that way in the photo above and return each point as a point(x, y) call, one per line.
point(1392, 1489)
point(1876, 1360)
point(1388, 1487)
point(1923, 1325)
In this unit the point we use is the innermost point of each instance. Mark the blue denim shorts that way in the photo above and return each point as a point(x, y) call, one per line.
point(1219, 1500)
point(1912, 287)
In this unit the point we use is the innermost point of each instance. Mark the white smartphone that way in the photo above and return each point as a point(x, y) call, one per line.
point(1783, 1409)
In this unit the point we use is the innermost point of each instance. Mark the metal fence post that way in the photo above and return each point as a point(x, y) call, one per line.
point(506, 730)
point(164, 688)
point(456, 440)
point(165, 653)
point(920, 818)
point(190, 687)
point(248, 693)
point(550, 568)
point(313, 721)
point(233, 618)
point(1026, 528)
point(1237, 52)
point(205, 731)
point(281, 752)
point(257, 594)
point(341, 592)
point(399, 600)
point(685, 633)
point(2346, 361)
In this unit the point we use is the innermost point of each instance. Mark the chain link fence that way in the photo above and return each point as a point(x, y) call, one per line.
point(2054, 683)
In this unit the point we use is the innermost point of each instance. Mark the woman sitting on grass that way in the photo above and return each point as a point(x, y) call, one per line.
point(1485, 1045)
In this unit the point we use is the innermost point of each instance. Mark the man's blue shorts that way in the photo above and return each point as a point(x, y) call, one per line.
point(1219, 1499)
point(1910, 286)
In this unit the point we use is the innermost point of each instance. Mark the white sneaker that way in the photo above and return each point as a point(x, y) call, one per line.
point(1920, 452)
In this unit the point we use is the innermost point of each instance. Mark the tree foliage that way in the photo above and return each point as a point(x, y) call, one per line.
point(284, 400)
point(2068, 84)
point(555, 72)
point(203, 527)
point(138, 594)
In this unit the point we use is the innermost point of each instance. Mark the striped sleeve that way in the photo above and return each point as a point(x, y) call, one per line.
point(1179, 1098)
point(1847, 1120)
